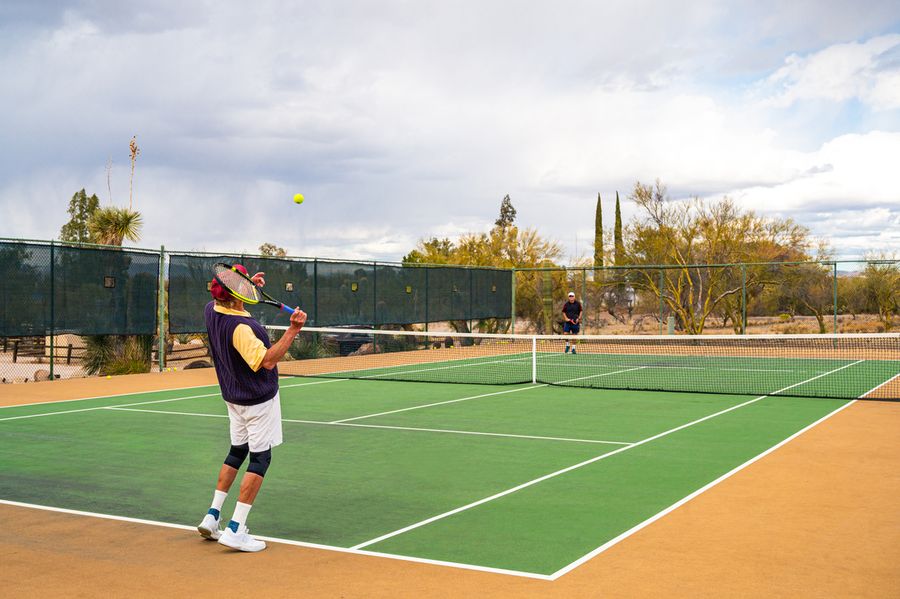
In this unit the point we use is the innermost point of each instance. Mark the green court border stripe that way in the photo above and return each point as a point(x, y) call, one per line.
point(141, 403)
point(41, 403)
point(583, 463)
point(148, 392)
point(334, 548)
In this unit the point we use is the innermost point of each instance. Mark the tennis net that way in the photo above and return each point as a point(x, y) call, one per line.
point(828, 366)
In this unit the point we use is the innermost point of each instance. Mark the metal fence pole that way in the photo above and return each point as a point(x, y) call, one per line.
point(835, 285)
point(162, 309)
point(426, 298)
point(316, 291)
point(743, 299)
point(583, 292)
point(661, 307)
point(471, 291)
point(512, 313)
point(375, 295)
point(52, 306)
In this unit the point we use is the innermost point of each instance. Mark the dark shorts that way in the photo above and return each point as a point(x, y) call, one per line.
point(570, 327)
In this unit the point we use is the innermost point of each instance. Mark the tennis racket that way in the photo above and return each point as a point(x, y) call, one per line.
point(242, 287)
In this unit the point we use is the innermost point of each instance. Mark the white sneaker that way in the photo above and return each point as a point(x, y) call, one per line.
point(209, 527)
point(240, 540)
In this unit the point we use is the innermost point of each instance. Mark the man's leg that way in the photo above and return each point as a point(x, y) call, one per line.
point(236, 535)
point(250, 485)
point(264, 428)
point(209, 527)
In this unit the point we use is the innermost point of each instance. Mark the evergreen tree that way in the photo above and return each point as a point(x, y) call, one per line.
point(507, 213)
point(598, 235)
point(81, 207)
point(617, 235)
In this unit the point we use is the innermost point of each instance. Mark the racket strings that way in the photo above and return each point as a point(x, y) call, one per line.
point(238, 285)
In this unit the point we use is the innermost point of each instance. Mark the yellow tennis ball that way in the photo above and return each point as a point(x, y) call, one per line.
point(298, 199)
point(109, 376)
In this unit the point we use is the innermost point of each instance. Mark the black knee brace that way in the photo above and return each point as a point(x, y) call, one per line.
point(236, 455)
point(259, 462)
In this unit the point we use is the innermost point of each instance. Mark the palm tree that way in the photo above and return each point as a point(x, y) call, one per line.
point(112, 225)
point(116, 354)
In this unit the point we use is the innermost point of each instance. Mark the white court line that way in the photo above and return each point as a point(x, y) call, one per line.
point(881, 385)
point(174, 389)
point(351, 370)
point(380, 426)
point(458, 432)
point(677, 504)
point(594, 376)
point(575, 466)
point(141, 403)
point(417, 370)
point(566, 569)
point(440, 403)
point(403, 558)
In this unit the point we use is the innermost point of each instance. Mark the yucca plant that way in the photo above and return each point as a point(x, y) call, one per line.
point(111, 225)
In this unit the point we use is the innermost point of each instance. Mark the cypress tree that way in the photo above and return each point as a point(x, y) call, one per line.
point(598, 235)
point(617, 235)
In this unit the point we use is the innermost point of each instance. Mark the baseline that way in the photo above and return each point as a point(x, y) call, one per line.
point(334, 548)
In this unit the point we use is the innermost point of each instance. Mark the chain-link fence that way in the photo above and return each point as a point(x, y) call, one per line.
point(80, 309)
point(75, 309)
point(796, 297)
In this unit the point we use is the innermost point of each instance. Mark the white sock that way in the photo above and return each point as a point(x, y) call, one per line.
point(241, 511)
point(218, 500)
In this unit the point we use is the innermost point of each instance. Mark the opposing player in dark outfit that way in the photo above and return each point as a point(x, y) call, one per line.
point(572, 312)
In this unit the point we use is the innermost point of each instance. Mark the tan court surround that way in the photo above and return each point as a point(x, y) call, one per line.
point(819, 517)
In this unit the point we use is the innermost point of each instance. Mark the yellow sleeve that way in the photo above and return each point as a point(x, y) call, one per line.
point(249, 346)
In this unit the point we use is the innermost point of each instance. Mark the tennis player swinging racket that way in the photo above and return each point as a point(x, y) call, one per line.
point(246, 366)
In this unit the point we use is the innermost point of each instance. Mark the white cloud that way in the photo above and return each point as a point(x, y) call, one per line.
point(868, 71)
point(400, 121)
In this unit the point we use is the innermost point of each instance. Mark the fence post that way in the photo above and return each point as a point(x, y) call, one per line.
point(374, 296)
point(426, 297)
point(584, 294)
point(743, 299)
point(316, 292)
point(161, 350)
point(835, 285)
point(471, 292)
point(52, 306)
point(661, 309)
point(512, 311)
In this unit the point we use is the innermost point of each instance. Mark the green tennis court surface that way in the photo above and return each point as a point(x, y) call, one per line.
point(526, 478)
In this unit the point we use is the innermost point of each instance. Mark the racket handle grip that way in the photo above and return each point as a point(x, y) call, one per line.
point(287, 309)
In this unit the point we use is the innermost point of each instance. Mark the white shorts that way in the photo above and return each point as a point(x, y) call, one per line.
point(258, 425)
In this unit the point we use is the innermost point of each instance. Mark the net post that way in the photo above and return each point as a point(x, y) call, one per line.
point(534, 360)
point(512, 309)
point(52, 305)
point(743, 299)
point(161, 316)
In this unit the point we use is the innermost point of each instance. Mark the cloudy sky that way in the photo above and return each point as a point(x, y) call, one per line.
point(404, 119)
